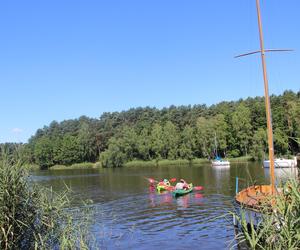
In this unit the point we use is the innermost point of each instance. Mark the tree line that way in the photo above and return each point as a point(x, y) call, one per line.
point(227, 129)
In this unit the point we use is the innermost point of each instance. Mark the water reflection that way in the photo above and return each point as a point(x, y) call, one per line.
point(282, 174)
point(183, 201)
point(221, 177)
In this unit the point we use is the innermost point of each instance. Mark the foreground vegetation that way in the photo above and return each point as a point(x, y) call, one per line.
point(184, 132)
point(279, 227)
point(32, 217)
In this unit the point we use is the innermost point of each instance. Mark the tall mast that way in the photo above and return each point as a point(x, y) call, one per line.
point(267, 99)
point(216, 145)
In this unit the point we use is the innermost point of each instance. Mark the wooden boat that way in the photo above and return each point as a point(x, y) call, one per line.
point(254, 197)
point(180, 192)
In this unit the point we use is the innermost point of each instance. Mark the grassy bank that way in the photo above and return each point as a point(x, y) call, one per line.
point(241, 159)
point(83, 165)
point(135, 163)
point(279, 227)
point(182, 162)
point(31, 167)
point(153, 163)
point(140, 163)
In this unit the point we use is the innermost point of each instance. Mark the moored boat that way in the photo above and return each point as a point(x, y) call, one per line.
point(282, 163)
point(218, 162)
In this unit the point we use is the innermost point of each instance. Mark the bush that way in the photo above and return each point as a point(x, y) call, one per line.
point(233, 153)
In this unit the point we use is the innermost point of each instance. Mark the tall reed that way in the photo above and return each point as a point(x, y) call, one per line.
point(279, 227)
point(33, 217)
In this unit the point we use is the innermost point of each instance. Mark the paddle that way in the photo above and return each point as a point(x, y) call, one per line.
point(198, 188)
point(151, 180)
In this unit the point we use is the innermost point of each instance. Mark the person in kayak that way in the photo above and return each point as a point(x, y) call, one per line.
point(166, 182)
point(182, 185)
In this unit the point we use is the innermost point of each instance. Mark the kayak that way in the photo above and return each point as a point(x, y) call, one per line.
point(179, 192)
point(161, 186)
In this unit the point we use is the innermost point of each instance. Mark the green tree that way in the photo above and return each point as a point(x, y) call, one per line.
point(205, 137)
point(157, 141)
point(221, 133)
point(87, 143)
point(70, 150)
point(259, 146)
point(149, 133)
point(128, 142)
point(281, 145)
point(170, 141)
point(43, 152)
point(242, 128)
point(188, 143)
point(144, 145)
point(114, 155)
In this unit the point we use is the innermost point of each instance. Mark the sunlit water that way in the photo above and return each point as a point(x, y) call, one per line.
point(130, 215)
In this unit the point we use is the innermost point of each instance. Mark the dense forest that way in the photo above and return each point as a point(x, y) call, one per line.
point(229, 129)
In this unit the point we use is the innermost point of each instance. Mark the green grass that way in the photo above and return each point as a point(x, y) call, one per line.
point(74, 166)
point(153, 163)
point(31, 166)
point(241, 159)
point(139, 163)
point(200, 161)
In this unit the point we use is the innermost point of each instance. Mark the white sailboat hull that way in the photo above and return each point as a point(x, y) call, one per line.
point(281, 163)
point(217, 163)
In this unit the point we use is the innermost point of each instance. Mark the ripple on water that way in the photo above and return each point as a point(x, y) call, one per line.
point(156, 220)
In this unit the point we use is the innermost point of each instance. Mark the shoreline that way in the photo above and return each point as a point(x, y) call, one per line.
point(141, 163)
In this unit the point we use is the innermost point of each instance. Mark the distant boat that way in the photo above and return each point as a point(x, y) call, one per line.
point(282, 163)
point(219, 162)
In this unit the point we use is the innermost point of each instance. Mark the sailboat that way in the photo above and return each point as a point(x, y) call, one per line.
point(253, 197)
point(218, 161)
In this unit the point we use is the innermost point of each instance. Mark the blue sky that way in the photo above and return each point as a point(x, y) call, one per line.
point(61, 59)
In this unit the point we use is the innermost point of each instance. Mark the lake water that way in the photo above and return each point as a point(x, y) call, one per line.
point(129, 215)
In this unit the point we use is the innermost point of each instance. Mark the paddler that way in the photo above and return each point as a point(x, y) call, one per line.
point(166, 182)
point(182, 184)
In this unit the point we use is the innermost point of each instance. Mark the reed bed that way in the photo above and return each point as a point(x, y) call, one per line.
point(33, 217)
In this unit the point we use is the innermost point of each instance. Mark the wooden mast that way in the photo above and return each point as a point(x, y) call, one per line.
point(253, 195)
point(267, 100)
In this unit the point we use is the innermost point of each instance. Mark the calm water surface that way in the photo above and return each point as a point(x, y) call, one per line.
point(129, 215)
